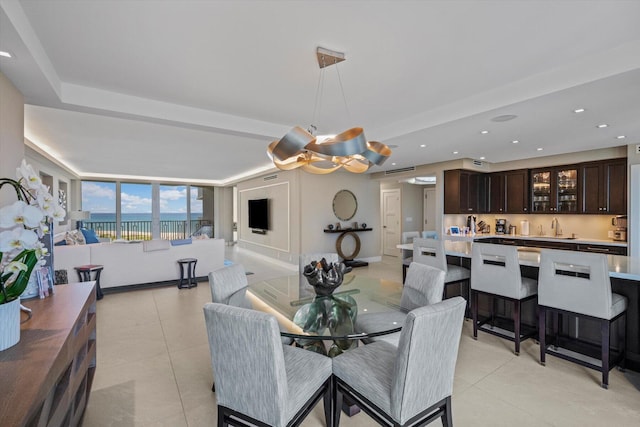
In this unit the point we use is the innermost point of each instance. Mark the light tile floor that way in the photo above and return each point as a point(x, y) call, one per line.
point(154, 368)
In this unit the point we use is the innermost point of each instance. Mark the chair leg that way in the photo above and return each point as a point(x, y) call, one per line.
point(221, 418)
point(336, 404)
point(623, 343)
point(516, 325)
point(213, 387)
point(494, 305)
point(542, 332)
point(474, 313)
point(447, 418)
point(404, 273)
point(328, 402)
point(556, 327)
point(605, 328)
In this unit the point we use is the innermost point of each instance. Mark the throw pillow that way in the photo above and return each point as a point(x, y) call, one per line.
point(74, 237)
point(60, 243)
point(89, 236)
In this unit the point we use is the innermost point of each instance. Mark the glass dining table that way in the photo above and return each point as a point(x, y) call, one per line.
point(327, 324)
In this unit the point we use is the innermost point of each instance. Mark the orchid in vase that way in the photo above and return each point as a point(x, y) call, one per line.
point(22, 224)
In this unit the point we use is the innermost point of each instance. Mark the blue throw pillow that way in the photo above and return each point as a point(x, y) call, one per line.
point(180, 242)
point(61, 243)
point(89, 236)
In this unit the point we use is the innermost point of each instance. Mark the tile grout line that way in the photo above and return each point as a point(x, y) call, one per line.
point(173, 372)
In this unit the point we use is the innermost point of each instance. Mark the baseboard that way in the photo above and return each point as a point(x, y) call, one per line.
point(151, 285)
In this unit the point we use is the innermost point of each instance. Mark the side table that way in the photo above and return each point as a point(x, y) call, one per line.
point(84, 274)
point(190, 282)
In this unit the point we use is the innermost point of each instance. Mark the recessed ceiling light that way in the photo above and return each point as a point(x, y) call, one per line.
point(515, 141)
point(455, 152)
point(579, 110)
point(423, 145)
point(5, 54)
point(539, 149)
point(620, 137)
point(393, 164)
point(484, 132)
point(603, 125)
point(482, 158)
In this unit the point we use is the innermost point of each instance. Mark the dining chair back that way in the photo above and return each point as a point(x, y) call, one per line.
point(410, 384)
point(257, 379)
point(229, 286)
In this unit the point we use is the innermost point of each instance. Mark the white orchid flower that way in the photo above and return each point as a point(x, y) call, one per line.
point(58, 214)
point(20, 213)
point(17, 239)
point(26, 171)
point(14, 267)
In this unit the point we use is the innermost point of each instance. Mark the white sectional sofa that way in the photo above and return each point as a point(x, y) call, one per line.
point(139, 263)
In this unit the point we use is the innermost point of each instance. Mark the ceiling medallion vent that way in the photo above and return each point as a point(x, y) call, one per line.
point(479, 163)
point(504, 118)
point(350, 150)
point(400, 170)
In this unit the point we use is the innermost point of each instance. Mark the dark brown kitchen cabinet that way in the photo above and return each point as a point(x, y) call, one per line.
point(497, 193)
point(517, 191)
point(554, 190)
point(464, 192)
point(604, 187)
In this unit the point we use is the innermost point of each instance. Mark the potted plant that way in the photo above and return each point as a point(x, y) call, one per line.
point(22, 224)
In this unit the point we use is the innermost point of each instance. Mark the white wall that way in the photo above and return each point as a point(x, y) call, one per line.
point(11, 134)
point(633, 234)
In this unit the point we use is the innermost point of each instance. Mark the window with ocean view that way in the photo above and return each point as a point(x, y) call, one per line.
point(180, 210)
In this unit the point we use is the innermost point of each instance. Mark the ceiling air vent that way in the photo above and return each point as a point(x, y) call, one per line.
point(270, 177)
point(478, 163)
point(394, 171)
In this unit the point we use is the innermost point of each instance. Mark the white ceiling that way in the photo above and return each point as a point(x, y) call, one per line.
point(195, 90)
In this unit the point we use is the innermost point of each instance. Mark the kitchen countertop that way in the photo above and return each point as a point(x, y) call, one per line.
point(583, 240)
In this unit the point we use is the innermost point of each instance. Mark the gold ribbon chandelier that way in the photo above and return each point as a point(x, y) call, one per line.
point(350, 150)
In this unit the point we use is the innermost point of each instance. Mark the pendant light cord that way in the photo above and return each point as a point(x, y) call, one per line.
point(344, 98)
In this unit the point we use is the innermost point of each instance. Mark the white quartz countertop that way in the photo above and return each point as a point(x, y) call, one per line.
point(567, 239)
point(621, 267)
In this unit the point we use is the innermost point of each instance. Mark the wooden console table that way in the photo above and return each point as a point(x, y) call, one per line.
point(349, 260)
point(46, 378)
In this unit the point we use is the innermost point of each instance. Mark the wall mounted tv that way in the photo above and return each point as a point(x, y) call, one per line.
point(259, 214)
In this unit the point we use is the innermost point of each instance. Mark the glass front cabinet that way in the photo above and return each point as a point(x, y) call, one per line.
point(554, 190)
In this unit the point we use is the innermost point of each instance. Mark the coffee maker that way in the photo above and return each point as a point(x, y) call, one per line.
point(620, 222)
point(501, 226)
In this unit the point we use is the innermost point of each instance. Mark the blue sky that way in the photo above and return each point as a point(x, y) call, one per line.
point(136, 198)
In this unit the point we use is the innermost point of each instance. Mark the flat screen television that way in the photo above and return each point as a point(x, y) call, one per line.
point(259, 214)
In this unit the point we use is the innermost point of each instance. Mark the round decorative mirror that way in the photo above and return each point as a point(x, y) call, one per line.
point(345, 205)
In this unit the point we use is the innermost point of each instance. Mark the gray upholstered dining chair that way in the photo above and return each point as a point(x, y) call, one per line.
point(259, 381)
point(495, 272)
point(431, 252)
point(424, 286)
point(229, 286)
point(407, 255)
point(578, 284)
point(409, 384)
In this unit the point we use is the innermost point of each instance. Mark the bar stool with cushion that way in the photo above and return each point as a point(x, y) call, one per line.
point(410, 384)
point(495, 272)
point(424, 286)
point(260, 382)
point(431, 252)
point(407, 255)
point(578, 284)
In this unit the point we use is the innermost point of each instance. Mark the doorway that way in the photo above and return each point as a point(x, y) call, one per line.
point(429, 209)
point(390, 221)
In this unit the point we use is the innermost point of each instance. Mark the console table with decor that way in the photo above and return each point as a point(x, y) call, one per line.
point(350, 258)
point(46, 378)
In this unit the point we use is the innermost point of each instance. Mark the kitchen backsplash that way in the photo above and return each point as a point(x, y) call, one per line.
point(583, 226)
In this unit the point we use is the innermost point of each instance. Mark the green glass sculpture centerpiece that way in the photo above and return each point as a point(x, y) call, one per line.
point(328, 310)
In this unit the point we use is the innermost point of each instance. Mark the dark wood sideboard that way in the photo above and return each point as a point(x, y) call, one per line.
point(46, 378)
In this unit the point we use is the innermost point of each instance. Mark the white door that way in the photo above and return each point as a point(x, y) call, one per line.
point(429, 209)
point(390, 222)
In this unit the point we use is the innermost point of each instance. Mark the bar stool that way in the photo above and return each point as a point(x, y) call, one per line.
point(190, 281)
point(578, 284)
point(431, 252)
point(407, 255)
point(495, 272)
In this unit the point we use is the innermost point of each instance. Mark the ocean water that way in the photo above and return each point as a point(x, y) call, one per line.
point(111, 217)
